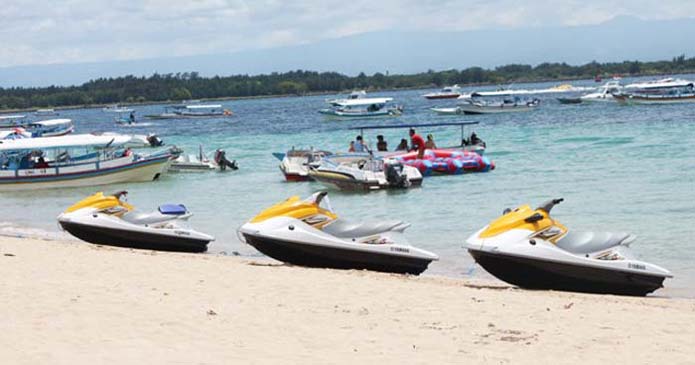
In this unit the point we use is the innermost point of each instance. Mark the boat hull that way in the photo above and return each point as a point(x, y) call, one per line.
point(636, 99)
point(442, 96)
point(140, 171)
point(349, 183)
point(542, 274)
point(335, 258)
point(134, 239)
point(494, 110)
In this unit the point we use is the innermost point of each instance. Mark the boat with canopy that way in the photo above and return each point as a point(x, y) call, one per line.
point(188, 111)
point(357, 105)
point(76, 160)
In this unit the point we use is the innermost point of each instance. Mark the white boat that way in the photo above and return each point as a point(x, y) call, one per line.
point(604, 92)
point(45, 112)
point(661, 84)
point(449, 92)
point(187, 111)
point(202, 163)
point(360, 106)
point(674, 97)
point(115, 108)
point(357, 94)
point(505, 106)
point(73, 161)
point(365, 173)
point(44, 128)
point(448, 111)
point(11, 121)
point(295, 163)
point(503, 92)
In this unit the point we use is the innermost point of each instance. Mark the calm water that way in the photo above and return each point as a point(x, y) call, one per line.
point(619, 168)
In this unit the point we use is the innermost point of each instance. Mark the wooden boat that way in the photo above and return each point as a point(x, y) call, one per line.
point(505, 106)
point(73, 161)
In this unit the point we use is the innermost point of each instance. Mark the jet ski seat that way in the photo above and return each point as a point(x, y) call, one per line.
point(346, 229)
point(587, 242)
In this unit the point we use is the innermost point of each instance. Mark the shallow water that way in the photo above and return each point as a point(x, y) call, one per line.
point(619, 168)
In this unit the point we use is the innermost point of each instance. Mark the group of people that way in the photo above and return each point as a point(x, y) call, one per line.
point(417, 143)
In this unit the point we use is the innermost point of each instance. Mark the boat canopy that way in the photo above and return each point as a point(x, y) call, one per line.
point(51, 122)
point(78, 140)
point(661, 84)
point(361, 101)
point(422, 125)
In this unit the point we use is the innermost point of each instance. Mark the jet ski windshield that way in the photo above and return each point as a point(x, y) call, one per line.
point(321, 200)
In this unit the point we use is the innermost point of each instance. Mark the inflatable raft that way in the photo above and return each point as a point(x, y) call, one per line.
point(447, 162)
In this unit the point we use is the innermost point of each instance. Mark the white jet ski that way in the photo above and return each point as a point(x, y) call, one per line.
point(308, 233)
point(528, 248)
point(107, 220)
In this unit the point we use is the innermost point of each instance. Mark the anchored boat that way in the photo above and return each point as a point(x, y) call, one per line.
point(359, 106)
point(365, 173)
point(449, 92)
point(75, 160)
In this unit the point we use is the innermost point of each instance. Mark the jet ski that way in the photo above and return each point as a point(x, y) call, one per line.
point(529, 249)
point(365, 173)
point(308, 233)
point(107, 220)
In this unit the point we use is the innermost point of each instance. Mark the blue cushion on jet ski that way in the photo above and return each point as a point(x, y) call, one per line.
point(173, 209)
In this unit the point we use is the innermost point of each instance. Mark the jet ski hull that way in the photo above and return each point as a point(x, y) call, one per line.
point(335, 258)
point(542, 274)
point(133, 239)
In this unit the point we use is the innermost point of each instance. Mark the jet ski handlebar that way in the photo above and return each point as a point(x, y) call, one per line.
point(548, 206)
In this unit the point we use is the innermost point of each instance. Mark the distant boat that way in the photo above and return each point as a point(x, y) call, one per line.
point(11, 121)
point(604, 92)
point(188, 111)
point(51, 127)
point(503, 92)
point(504, 106)
point(662, 84)
point(598, 78)
point(673, 96)
point(449, 92)
point(357, 105)
point(45, 112)
point(570, 100)
point(115, 108)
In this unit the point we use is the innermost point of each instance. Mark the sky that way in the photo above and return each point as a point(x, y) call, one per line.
point(76, 31)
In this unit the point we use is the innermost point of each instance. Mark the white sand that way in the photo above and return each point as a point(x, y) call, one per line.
point(74, 303)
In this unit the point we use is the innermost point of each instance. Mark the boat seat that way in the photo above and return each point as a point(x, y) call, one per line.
point(147, 218)
point(588, 242)
point(347, 229)
point(173, 209)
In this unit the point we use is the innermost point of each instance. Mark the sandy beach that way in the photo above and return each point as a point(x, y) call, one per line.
point(67, 302)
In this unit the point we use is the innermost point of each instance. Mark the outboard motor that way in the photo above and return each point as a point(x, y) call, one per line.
point(154, 140)
point(222, 162)
point(395, 175)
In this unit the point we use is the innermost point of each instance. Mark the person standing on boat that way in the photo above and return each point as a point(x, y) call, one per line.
point(381, 144)
point(417, 143)
point(359, 145)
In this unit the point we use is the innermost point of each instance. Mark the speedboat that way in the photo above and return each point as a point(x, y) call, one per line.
point(365, 173)
point(201, 162)
point(107, 220)
point(528, 248)
point(309, 233)
point(604, 93)
point(472, 106)
point(295, 163)
point(449, 92)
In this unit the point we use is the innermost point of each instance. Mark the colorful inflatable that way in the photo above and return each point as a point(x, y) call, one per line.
point(447, 162)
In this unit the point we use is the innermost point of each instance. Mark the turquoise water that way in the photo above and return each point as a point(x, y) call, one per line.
point(624, 168)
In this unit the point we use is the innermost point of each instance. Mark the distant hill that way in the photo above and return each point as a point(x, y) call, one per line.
point(623, 38)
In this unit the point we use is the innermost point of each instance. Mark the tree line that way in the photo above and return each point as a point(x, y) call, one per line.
point(190, 85)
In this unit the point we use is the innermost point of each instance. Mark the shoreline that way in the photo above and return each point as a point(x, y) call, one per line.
point(332, 92)
point(68, 301)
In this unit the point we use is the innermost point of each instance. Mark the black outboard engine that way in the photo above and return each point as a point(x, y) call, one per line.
point(222, 162)
point(395, 175)
point(154, 140)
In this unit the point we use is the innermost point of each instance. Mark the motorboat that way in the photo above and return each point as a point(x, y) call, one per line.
point(45, 112)
point(12, 121)
point(192, 111)
point(672, 95)
point(661, 84)
point(505, 92)
point(447, 110)
point(295, 163)
point(354, 95)
point(309, 233)
point(51, 127)
point(76, 160)
point(449, 92)
point(201, 162)
point(360, 106)
point(108, 220)
point(604, 93)
point(446, 162)
point(475, 106)
point(115, 108)
point(528, 248)
point(365, 173)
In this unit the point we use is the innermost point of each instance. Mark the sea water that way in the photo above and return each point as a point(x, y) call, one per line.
point(619, 168)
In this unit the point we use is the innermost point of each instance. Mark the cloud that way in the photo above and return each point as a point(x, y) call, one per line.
point(43, 31)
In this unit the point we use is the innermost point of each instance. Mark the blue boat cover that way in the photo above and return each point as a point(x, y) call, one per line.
point(173, 209)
